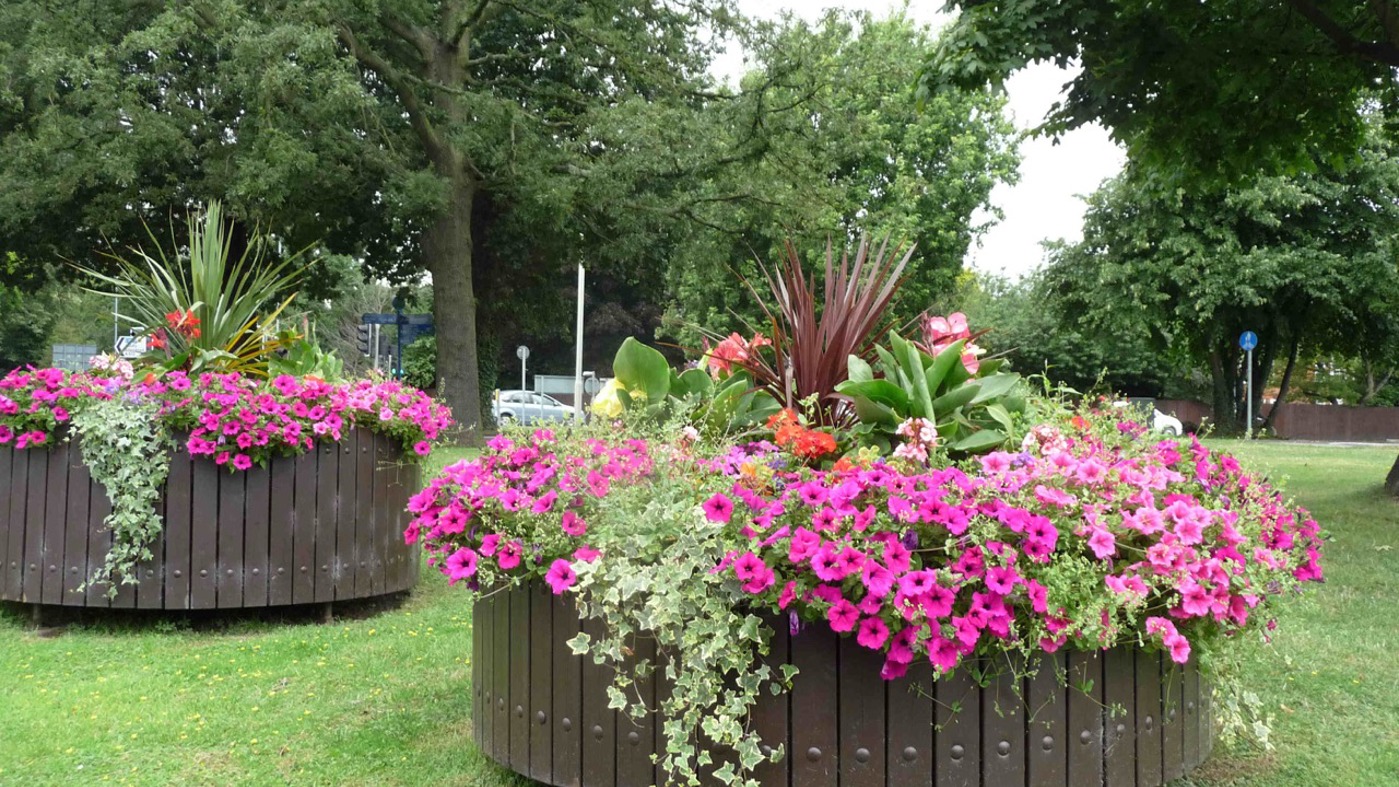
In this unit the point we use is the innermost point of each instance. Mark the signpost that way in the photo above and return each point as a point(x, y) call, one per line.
point(1247, 341)
point(522, 352)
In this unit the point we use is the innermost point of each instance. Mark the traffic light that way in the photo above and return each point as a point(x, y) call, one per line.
point(362, 338)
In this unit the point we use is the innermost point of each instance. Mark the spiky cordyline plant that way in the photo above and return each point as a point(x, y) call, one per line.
point(813, 339)
point(234, 302)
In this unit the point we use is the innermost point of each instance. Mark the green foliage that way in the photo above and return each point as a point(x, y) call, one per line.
point(420, 363)
point(1223, 89)
point(127, 450)
point(642, 373)
point(972, 413)
point(233, 301)
point(304, 358)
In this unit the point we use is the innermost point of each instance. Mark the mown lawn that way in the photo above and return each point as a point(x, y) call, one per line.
point(381, 697)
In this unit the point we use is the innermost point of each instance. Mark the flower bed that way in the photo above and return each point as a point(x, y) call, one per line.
point(283, 492)
point(1125, 716)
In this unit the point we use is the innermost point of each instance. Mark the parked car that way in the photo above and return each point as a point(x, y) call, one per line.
point(528, 407)
point(1160, 422)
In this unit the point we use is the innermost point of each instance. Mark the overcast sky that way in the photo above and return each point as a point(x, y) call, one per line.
point(1045, 204)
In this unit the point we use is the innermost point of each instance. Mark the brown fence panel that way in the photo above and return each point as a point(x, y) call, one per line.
point(34, 526)
point(519, 699)
point(771, 719)
point(1085, 692)
point(1003, 725)
point(327, 481)
point(1172, 720)
point(232, 496)
point(1148, 719)
point(178, 533)
point(346, 566)
point(256, 505)
point(281, 531)
point(99, 540)
point(568, 697)
point(304, 525)
point(541, 682)
point(55, 519)
point(599, 723)
point(861, 714)
point(958, 719)
point(1120, 734)
point(7, 459)
point(75, 550)
point(1047, 703)
point(815, 737)
point(636, 738)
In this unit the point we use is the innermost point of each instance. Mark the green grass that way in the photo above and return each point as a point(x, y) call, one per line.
point(383, 699)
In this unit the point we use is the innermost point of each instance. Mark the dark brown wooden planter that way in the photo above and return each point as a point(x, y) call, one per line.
point(542, 712)
point(321, 527)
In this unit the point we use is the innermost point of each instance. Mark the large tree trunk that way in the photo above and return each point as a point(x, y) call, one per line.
point(1391, 484)
point(1225, 400)
point(447, 249)
point(1285, 383)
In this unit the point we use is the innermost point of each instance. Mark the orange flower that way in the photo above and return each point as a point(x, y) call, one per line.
point(1079, 422)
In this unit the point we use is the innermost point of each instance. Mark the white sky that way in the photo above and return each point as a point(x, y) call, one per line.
point(1046, 204)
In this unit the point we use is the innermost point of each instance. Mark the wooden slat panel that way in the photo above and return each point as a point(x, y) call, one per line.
point(37, 483)
point(395, 565)
point(541, 683)
point(958, 719)
point(517, 706)
point(346, 561)
point(75, 550)
point(363, 514)
point(477, 621)
point(204, 516)
point(7, 455)
point(150, 593)
point(485, 629)
point(255, 536)
point(771, 714)
point(1191, 724)
point(1173, 717)
point(599, 723)
point(1085, 692)
point(568, 697)
point(862, 706)
point(1148, 717)
point(99, 540)
point(327, 480)
point(304, 522)
point(411, 478)
point(1048, 708)
point(1206, 719)
point(636, 738)
point(381, 521)
point(178, 532)
point(910, 748)
point(500, 678)
point(55, 517)
point(815, 692)
point(1003, 725)
point(281, 521)
point(1120, 733)
point(232, 496)
point(19, 498)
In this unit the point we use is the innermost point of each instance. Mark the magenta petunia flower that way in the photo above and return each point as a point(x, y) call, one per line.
point(561, 576)
point(422, 448)
point(872, 634)
point(460, 565)
point(842, 616)
point(718, 508)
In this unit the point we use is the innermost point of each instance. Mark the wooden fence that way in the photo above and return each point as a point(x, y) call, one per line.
point(324, 526)
point(1309, 421)
point(542, 712)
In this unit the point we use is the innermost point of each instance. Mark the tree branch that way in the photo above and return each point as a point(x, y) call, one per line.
point(414, 35)
point(1389, 19)
point(1344, 41)
point(399, 82)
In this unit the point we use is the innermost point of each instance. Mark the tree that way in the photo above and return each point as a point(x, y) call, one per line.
point(1296, 259)
point(1211, 90)
point(855, 155)
point(404, 132)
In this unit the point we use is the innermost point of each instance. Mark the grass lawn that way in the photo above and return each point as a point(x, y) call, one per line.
point(382, 699)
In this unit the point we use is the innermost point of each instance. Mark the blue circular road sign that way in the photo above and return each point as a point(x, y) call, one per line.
point(1248, 340)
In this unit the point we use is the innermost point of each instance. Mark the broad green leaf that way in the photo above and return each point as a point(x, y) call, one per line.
point(697, 381)
point(995, 386)
point(872, 412)
point(642, 369)
point(979, 441)
point(943, 363)
point(956, 397)
point(999, 414)
point(881, 391)
point(921, 403)
point(859, 371)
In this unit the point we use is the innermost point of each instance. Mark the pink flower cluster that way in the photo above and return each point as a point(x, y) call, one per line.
point(939, 332)
point(937, 564)
point(1076, 540)
point(235, 419)
point(520, 506)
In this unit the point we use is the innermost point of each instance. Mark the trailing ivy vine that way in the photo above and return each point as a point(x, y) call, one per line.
point(127, 450)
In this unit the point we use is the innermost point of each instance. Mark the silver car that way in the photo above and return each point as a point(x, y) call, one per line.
point(528, 407)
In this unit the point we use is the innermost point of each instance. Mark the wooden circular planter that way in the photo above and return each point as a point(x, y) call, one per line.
point(321, 527)
point(542, 712)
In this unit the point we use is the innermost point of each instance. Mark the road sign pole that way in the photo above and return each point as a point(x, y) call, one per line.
point(1248, 395)
point(375, 340)
point(578, 352)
